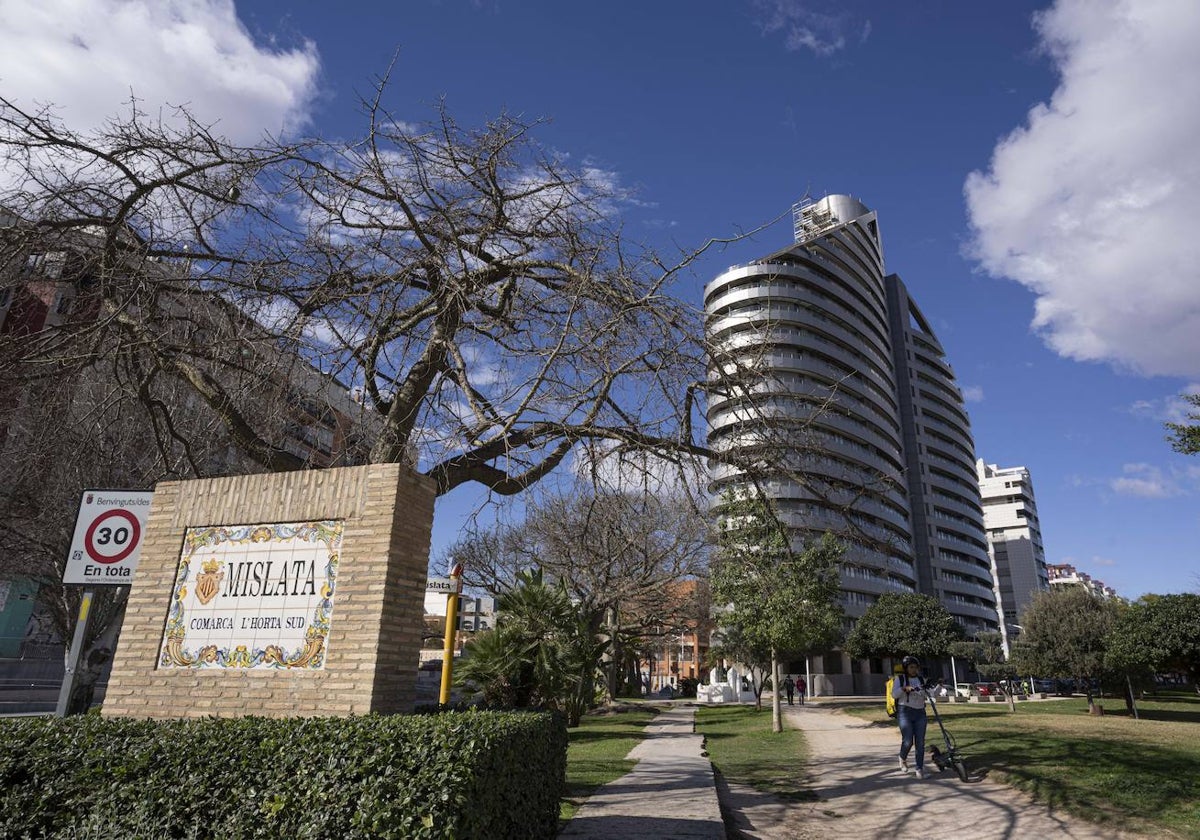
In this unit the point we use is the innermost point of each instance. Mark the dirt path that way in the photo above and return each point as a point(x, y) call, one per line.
point(862, 794)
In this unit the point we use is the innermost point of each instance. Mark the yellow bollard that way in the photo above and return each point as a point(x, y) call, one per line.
point(451, 620)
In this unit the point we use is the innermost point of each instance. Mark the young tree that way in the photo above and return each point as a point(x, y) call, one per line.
point(986, 651)
point(898, 624)
point(1065, 636)
point(780, 599)
point(1158, 633)
point(730, 643)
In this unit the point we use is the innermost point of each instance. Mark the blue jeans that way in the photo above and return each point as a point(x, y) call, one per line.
point(912, 732)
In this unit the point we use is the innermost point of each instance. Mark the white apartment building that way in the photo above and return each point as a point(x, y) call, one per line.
point(1067, 575)
point(1014, 540)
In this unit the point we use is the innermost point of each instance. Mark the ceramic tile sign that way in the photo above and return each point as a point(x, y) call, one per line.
point(253, 597)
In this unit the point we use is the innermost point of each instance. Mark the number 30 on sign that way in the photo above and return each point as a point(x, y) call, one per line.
point(108, 537)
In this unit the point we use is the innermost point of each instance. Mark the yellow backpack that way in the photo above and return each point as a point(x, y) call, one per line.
point(889, 699)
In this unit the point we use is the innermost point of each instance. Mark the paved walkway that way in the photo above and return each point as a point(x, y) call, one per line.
point(670, 793)
point(853, 771)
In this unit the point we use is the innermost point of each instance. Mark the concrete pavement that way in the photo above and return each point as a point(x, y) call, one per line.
point(858, 792)
point(861, 793)
point(670, 793)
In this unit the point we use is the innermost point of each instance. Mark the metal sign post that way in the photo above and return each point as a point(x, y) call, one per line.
point(451, 620)
point(68, 684)
point(104, 552)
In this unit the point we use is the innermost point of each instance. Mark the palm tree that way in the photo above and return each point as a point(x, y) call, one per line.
point(543, 653)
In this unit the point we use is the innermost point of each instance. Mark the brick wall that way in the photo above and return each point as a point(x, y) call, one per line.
point(375, 631)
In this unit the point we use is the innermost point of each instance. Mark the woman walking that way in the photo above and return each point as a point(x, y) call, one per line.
point(909, 690)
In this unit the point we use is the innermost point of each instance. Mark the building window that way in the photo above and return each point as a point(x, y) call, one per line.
point(45, 265)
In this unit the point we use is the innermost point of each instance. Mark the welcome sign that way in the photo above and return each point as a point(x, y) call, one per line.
point(253, 597)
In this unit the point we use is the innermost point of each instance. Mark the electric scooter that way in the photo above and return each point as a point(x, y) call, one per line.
point(949, 758)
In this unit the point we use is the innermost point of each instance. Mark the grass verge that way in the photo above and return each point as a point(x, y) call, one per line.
point(1138, 774)
point(745, 751)
point(596, 751)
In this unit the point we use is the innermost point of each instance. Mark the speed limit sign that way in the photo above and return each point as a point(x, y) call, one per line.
point(108, 537)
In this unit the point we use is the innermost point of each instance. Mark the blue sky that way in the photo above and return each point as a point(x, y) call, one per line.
point(1035, 177)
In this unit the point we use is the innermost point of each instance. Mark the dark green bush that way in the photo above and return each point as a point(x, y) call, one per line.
point(687, 686)
point(458, 775)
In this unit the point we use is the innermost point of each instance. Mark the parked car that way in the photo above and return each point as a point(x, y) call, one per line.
point(978, 689)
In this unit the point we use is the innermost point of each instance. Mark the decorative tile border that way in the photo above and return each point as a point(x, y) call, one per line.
point(253, 597)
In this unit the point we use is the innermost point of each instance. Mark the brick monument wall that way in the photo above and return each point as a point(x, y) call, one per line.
point(374, 634)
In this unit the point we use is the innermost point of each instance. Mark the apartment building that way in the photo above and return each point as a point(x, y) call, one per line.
point(860, 396)
point(1014, 540)
point(1064, 574)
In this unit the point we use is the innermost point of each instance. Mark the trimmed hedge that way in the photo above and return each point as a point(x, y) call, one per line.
point(456, 775)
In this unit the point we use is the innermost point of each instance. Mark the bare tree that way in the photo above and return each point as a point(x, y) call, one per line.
point(474, 289)
point(632, 563)
point(64, 435)
point(477, 290)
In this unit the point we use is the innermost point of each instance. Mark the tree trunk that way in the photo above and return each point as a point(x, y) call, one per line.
point(776, 709)
point(613, 655)
point(633, 674)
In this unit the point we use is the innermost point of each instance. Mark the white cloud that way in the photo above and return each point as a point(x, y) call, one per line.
point(973, 393)
point(804, 28)
point(1092, 202)
point(1172, 408)
point(87, 57)
point(1146, 481)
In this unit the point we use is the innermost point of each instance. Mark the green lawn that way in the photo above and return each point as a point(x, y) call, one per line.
point(744, 750)
point(596, 752)
point(1142, 774)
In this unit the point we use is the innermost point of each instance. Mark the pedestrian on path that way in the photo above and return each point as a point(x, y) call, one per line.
point(909, 690)
point(790, 687)
point(802, 687)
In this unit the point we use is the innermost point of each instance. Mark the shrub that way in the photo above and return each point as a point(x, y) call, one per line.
point(687, 686)
point(460, 775)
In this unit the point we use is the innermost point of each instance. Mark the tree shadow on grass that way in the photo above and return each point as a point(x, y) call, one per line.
point(1169, 715)
point(787, 783)
point(1093, 777)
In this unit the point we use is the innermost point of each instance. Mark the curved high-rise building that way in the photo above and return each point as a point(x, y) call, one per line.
point(949, 539)
point(860, 396)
